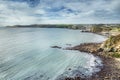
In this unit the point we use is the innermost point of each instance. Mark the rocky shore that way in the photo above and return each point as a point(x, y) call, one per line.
point(111, 66)
point(86, 47)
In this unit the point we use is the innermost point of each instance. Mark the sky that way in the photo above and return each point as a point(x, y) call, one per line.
point(25, 12)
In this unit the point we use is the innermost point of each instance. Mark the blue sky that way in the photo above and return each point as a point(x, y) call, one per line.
point(24, 12)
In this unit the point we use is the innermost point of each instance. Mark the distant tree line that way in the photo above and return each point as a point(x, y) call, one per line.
point(90, 27)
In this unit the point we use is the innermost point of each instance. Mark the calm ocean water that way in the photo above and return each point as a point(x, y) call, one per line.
point(26, 54)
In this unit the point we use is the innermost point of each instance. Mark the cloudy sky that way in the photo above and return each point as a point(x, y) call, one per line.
point(14, 12)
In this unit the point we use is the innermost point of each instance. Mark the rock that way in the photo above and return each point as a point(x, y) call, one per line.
point(100, 50)
point(68, 79)
point(56, 47)
point(106, 77)
point(78, 78)
point(69, 69)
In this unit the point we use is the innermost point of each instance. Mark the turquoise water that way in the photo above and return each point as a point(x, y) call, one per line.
point(26, 54)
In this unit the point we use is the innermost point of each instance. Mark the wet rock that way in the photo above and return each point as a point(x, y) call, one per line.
point(69, 79)
point(78, 78)
point(69, 69)
point(56, 47)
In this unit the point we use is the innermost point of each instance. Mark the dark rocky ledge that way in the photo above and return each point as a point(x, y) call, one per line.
point(56, 47)
point(87, 47)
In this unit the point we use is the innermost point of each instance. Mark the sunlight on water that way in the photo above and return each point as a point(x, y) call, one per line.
point(26, 54)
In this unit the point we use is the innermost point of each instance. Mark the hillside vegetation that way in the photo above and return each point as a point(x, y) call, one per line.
point(103, 28)
point(112, 46)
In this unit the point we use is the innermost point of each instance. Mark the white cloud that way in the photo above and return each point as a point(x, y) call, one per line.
point(63, 11)
point(39, 12)
point(17, 13)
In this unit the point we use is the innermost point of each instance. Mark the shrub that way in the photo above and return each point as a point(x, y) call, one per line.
point(116, 55)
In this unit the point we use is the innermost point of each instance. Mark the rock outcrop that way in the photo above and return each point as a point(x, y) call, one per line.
point(56, 47)
point(87, 47)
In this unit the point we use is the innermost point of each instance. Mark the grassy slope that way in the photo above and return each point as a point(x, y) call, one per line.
point(112, 46)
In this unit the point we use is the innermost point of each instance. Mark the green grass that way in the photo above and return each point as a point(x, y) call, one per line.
point(112, 42)
point(116, 55)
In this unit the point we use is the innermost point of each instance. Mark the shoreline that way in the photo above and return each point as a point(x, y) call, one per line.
point(111, 66)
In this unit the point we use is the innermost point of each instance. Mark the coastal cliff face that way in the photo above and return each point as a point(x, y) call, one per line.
point(112, 44)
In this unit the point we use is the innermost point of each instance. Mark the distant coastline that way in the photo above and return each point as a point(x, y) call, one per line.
point(102, 29)
point(71, 26)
